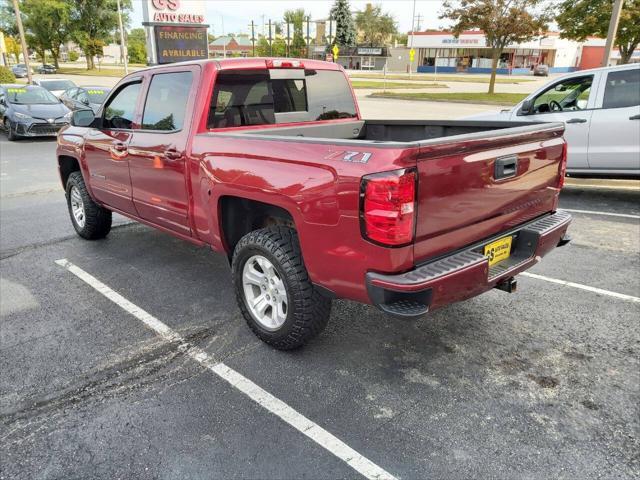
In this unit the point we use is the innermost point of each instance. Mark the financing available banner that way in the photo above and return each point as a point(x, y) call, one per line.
point(178, 44)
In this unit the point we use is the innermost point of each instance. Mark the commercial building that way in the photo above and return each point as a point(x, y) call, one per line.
point(228, 46)
point(441, 51)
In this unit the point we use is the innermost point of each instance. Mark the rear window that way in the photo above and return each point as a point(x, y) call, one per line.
point(242, 98)
point(622, 89)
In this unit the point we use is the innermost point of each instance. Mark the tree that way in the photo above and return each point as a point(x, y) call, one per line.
point(579, 19)
point(345, 27)
point(504, 22)
point(376, 27)
point(279, 47)
point(13, 47)
point(298, 44)
point(8, 24)
point(93, 21)
point(47, 24)
point(137, 46)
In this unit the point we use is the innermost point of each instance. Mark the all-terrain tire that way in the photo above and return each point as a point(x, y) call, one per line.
point(307, 310)
point(96, 221)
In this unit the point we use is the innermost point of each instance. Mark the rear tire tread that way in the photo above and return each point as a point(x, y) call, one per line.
point(311, 310)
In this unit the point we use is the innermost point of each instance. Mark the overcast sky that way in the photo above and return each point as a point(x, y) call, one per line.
point(237, 14)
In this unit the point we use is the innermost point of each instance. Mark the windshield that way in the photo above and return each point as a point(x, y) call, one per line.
point(30, 96)
point(57, 84)
point(97, 95)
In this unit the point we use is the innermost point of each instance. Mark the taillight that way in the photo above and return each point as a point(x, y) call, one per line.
point(277, 63)
point(563, 166)
point(389, 207)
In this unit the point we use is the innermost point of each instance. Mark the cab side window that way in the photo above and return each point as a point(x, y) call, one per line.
point(622, 89)
point(166, 102)
point(120, 111)
point(569, 95)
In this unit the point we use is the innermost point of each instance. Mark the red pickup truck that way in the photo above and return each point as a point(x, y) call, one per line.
point(269, 162)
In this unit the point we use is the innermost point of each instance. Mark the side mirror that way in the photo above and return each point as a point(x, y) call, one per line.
point(82, 118)
point(526, 108)
point(85, 101)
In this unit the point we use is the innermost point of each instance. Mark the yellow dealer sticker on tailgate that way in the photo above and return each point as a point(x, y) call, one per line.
point(498, 250)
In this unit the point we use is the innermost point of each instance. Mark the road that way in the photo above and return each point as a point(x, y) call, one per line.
point(543, 383)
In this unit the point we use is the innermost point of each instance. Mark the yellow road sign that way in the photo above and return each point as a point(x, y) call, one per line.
point(412, 54)
point(335, 51)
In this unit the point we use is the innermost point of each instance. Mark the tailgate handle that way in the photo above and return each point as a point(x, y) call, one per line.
point(506, 167)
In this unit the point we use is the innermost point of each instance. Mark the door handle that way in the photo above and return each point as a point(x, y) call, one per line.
point(577, 120)
point(119, 147)
point(635, 117)
point(172, 154)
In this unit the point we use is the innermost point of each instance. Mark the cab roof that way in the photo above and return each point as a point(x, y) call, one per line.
point(252, 63)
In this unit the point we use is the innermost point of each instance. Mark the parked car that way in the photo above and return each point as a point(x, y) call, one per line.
point(45, 68)
point(20, 70)
point(82, 97)
point(601, 110)
point(268, 161)
point(57, 86)
point(541, 70)
point(30, 111)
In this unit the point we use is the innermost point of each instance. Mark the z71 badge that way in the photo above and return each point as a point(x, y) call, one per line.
point(349, 156)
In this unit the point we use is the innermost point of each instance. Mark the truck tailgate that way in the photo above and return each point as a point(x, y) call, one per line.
point(485, 184)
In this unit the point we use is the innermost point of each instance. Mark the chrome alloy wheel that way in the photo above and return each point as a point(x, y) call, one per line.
point(77, 206)
point(265, 293)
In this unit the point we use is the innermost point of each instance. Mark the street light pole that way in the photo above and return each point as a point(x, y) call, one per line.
point(413, 19)
point(123, 52)
point(611, 34)
point(23, 42)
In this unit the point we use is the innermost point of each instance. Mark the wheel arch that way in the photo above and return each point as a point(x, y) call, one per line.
point(67, 165)
point(238, 216)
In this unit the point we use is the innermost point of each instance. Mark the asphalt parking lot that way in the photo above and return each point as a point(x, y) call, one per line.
point(543, 383)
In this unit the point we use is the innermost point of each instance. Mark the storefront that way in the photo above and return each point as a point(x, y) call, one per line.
point(363, 58)
point(443, 52)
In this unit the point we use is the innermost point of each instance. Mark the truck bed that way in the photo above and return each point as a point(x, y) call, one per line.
point(396, 133)
point(461, 195)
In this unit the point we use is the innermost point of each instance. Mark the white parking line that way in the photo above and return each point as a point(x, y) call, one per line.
point(621, 296)
point(276, 406)
point(609, 214)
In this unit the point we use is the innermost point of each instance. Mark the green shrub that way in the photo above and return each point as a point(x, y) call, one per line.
point(6, 75)
point(73, 56)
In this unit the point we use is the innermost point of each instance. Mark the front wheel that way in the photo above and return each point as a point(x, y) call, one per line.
point(11, 133)
point(273, 289)
point(89, 219)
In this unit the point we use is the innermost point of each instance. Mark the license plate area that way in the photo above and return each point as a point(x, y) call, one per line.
point(498, 250)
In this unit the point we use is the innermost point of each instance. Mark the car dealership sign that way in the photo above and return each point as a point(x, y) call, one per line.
point(175, 11)
point(175, 30)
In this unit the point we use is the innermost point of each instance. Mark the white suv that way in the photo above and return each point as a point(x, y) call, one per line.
point(601, 110)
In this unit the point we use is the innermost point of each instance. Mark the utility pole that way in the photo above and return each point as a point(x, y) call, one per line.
point(418, 20)
point(270, 40)
point(611, 34)
point(308, 38)
point(413, 19)
point(25, 52)
point(253, 37)
point(123, 53)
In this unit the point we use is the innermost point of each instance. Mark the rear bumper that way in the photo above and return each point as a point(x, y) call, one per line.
point(466, 273)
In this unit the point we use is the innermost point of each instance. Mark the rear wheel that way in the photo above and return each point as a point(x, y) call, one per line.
point(90, 220)
point(273, 289)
